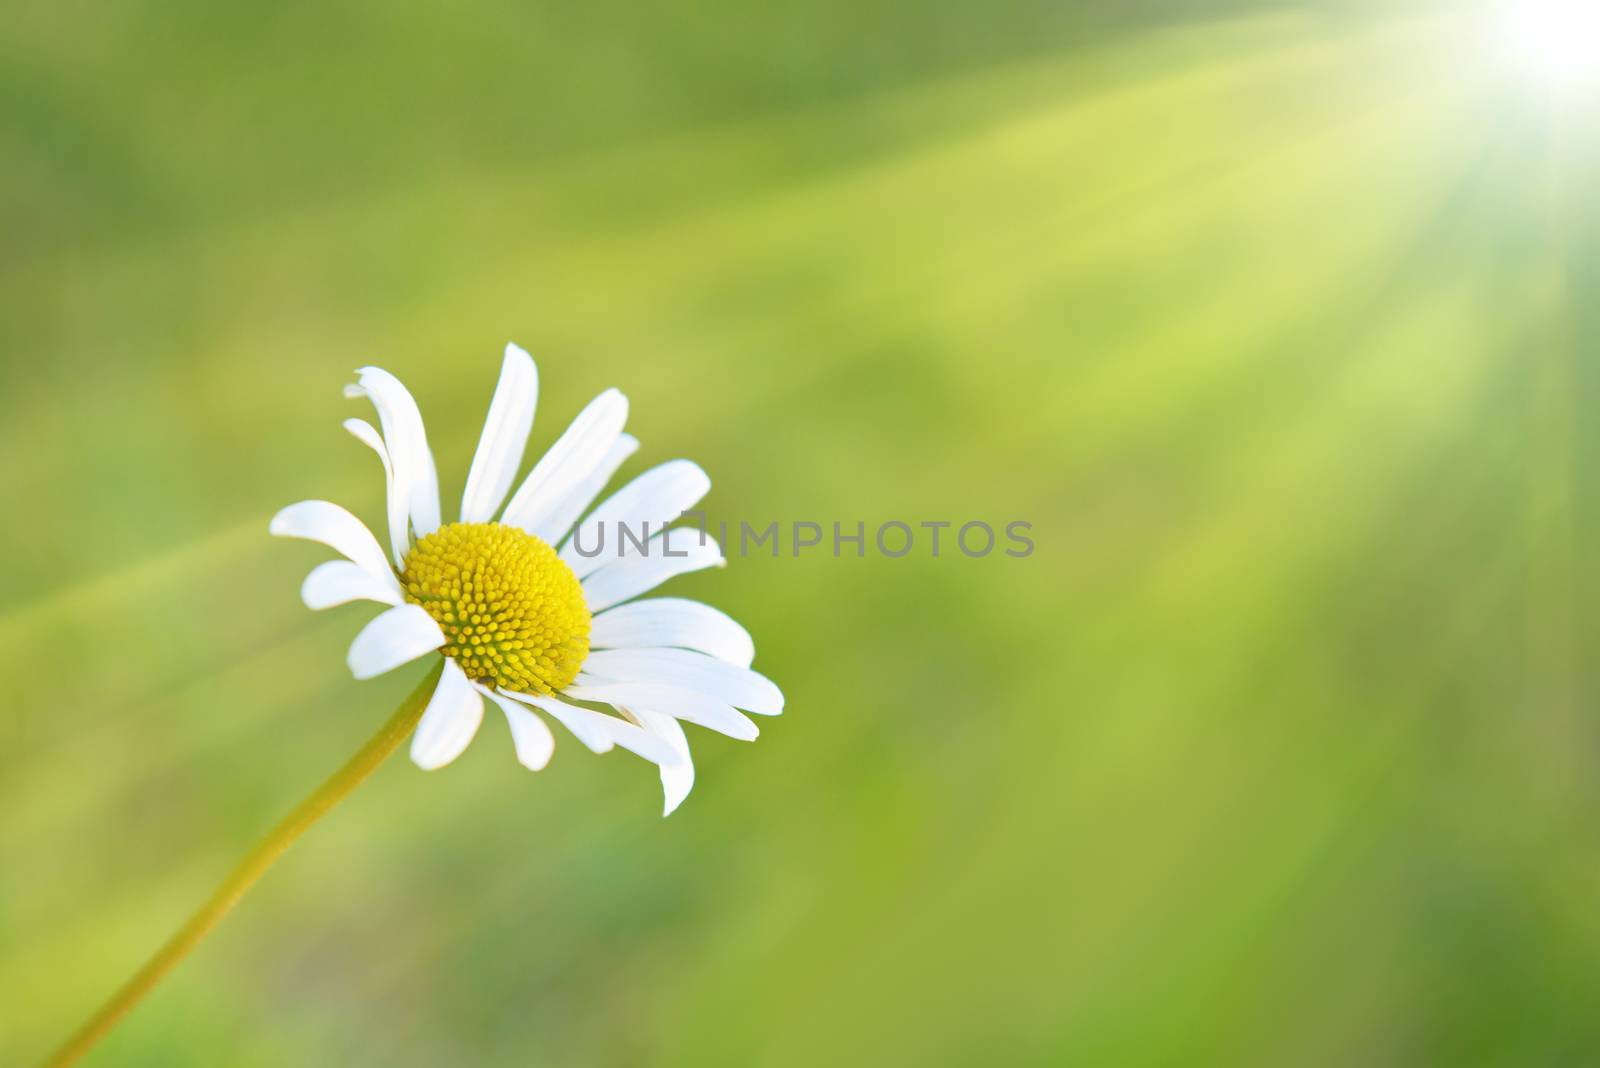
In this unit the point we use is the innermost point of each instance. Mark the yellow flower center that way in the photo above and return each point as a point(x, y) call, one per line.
point(512, 611)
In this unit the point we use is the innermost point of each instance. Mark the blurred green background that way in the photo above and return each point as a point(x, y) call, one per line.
point(1276, 320)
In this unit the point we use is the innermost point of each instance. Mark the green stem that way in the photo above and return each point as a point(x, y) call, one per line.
point(313, 808)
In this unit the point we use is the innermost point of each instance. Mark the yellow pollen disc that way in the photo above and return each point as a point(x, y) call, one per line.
point(512, 611)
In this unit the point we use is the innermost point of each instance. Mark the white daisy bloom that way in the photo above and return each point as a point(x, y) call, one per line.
point(520, 615)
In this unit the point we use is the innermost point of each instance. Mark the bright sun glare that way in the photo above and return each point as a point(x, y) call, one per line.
point(1555, 39)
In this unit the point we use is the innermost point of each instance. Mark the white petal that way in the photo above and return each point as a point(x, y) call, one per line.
point(683, 704)
point(736, 686)
point(416, 480)
point(397, 637)
point(673, 621)
point(555, 525)
point(340, 582)
point(600, 732)
point(586, 729)
point(333, 526)
point(657, 497)
point(399, 521)
point(621, 580)
point(646, 538)
point(578, 451)
point(529, 734)
point(676, 779)
point(505, 436)
point(449, 723)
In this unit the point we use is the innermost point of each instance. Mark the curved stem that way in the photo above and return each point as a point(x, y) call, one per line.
point(313, 808)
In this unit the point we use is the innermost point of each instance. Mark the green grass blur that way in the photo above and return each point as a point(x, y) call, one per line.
point(1277, 321)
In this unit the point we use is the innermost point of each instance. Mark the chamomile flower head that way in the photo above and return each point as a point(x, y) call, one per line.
point(520, 615)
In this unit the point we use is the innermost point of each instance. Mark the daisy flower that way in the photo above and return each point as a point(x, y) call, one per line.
point(522, 617)
point(531, 606)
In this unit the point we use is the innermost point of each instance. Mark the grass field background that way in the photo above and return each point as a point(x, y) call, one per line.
point(1276, 321)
